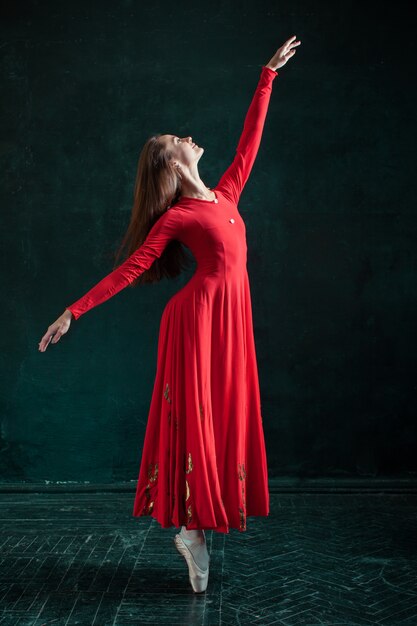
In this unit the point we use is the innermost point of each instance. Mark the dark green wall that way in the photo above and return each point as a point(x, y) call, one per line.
point(329, 208)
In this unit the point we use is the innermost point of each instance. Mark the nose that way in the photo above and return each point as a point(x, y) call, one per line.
point(188, 139)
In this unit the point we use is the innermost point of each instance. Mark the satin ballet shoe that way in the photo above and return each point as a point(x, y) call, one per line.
point(198, 577)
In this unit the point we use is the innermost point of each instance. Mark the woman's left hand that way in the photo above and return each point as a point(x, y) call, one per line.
point(56, 330)
point(283, 53)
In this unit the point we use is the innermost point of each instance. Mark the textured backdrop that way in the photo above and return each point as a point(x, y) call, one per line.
point(329, 209)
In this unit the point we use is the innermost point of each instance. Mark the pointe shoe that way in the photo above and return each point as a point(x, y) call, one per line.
point(198, 576)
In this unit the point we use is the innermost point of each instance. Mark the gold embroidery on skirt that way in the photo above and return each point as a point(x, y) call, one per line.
point(168, 399)
point(153, 473)
point(166, 393)
point(188, 509)
point(152, 478)
point(242, 519)
point(242, 510)
point(190, 464)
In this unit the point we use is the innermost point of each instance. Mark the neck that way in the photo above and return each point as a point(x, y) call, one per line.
point(192, 186)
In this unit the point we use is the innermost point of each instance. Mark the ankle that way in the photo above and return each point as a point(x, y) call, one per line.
point(194, 534)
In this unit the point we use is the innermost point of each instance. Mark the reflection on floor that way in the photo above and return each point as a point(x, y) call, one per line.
point(318, 559)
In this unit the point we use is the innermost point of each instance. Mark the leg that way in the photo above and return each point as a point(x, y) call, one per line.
point(192, 545)
point(192, 535)
point(195, 540)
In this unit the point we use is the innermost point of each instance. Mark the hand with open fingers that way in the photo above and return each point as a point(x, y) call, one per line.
point(285, 52)
point(56, 330)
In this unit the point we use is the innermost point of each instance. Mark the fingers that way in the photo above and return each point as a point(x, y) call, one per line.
point(52, 335)
point(57, 336)
point(289, 40)
point(290, 43)
point(296, 43)
point(290, 50)
point(45, 341)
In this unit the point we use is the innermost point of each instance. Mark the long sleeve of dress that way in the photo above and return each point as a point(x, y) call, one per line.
point(166, 228)
point(236, 175)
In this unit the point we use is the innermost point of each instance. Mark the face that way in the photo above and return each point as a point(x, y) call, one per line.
point(183, 149)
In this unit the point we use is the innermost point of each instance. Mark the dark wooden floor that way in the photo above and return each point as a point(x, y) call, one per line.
point(316, 560)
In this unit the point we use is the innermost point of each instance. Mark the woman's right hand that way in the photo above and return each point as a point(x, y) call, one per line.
point(285, 52)
point(56, 330)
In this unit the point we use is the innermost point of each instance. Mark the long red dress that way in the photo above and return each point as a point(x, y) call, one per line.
point(204, 461)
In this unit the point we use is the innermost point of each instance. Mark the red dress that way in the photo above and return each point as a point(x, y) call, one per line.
point(204, 461)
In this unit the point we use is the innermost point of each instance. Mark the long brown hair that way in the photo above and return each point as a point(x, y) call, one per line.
point(157, 187)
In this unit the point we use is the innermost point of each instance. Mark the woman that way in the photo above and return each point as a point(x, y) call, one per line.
point(204, 462)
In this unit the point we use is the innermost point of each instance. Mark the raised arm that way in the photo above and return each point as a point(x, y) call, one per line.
point(234, 178)
point(166, 228)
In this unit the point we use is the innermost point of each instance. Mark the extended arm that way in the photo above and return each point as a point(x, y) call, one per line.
point(236, 175)
point(166, 228)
